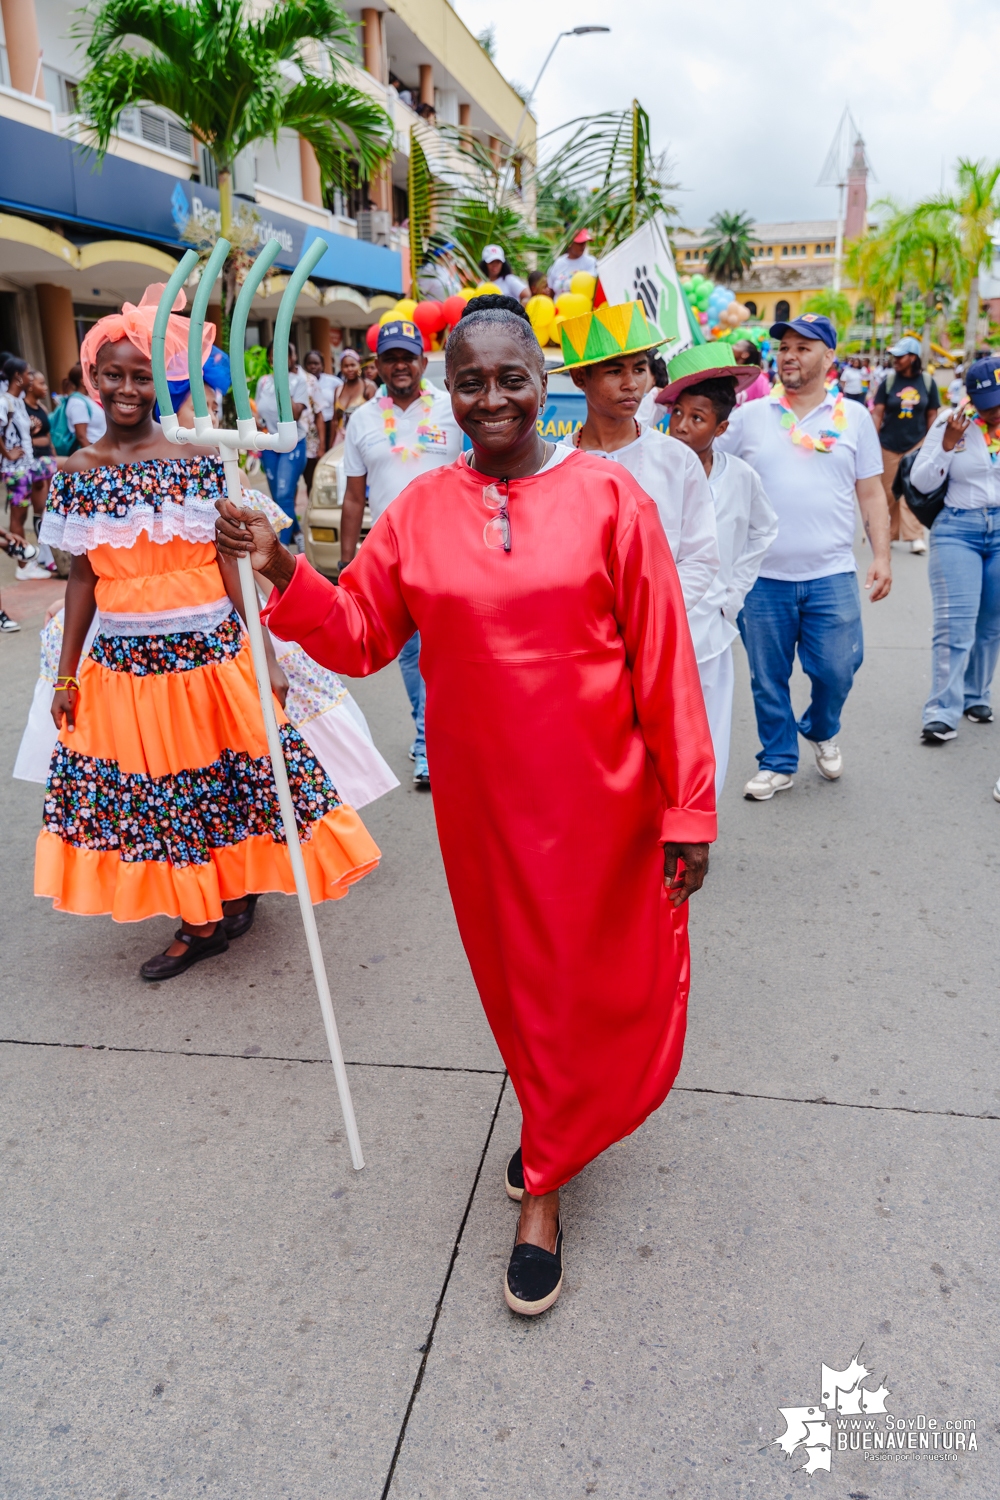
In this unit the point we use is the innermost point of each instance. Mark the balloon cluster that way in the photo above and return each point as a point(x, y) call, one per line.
point(715, 306)
point(433, 318)
point(547, 315)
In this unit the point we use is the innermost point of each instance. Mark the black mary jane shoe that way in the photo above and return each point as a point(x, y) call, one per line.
point(242, 921)
point(163, 966)
point(534, 1278)
point(513, 1177)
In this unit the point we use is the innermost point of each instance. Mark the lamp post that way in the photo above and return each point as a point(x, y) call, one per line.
point(575, 31)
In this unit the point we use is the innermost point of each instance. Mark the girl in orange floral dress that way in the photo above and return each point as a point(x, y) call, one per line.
point(160, 797)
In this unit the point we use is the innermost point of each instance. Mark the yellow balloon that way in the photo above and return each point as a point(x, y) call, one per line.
point(541, 310)
point(584, 283)
point(389, 316)
point(405, 308)
point(468, 292)
point(488, 288)
point(573, 304)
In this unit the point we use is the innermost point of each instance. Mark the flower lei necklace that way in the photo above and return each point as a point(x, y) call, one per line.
point(823, 441)
point(991, 439)
point(424, 427)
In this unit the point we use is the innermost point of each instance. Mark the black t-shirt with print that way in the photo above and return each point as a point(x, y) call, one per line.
point(904, 421)
point(41, 443)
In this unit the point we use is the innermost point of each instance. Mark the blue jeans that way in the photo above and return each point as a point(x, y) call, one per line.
point(409, 665)
point(284, 470)
point(965, 592)
point(822, 617)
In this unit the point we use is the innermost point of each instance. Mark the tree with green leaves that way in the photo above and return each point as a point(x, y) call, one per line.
point(833, 305)
point(973, 207)
point(234, 74)
point(731, 245)
point(914, 250)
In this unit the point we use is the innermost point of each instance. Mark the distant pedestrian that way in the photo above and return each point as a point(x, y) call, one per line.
point(817, 454)
point(84, 416)
point(576, 257)
point(328, 386)
point(284, 470)
point(962, 448)
point(852, 381)
point(25, 475)
point(497, 269)
point(745, 352)
point(355, 390)
point(409, 430)
point(906, 404)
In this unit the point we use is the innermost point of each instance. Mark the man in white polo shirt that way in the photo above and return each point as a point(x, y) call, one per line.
point(815, 453)
point(406, 429)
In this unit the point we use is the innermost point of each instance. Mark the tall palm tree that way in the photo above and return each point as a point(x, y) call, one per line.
point(731, 246)
point(878, 262)
point(234, 74)
point(833, 305)
point(935, 261)
point(974, 207)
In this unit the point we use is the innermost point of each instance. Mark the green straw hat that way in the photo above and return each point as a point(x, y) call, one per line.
point(704, 362)
point(606, 333)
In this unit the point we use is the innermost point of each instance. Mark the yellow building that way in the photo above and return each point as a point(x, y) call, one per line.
point(791, 262)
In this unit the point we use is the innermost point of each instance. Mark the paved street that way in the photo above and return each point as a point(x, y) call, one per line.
point(264, 1322)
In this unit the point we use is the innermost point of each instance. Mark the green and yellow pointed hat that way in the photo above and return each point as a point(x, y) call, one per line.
point(606, 333)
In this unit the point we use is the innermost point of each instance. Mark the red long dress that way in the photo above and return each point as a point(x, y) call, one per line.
point(567, 740)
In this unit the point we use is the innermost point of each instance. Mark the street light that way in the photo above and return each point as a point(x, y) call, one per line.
point(576, 31)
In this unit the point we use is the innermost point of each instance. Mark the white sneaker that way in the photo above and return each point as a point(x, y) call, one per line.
point(829, 761)
point(31, 570)
point(996, 791)
point(762, 787)
point(919, 545)
point(8, 626)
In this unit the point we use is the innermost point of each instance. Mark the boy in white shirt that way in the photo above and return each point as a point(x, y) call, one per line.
point(614, 385)
point(701, 394)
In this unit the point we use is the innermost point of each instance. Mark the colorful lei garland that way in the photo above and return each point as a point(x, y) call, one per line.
point(824, 441)
point(992, 442)
point(425, 428)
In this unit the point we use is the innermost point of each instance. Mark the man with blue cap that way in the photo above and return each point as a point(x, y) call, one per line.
point(905, 406)
point(961, 451)
point(816, 454)
point(406, 429)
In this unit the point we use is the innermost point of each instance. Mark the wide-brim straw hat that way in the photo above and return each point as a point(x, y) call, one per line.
point(606, 333)
point(704, 362)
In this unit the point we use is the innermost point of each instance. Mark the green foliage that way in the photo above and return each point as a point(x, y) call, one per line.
point(832, 305)
point(234, 75)
point(487, 39)
point(731, 247)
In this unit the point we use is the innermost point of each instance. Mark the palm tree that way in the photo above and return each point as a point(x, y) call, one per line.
point(935, 261)
point(877, 263)
point(973, 207)
point(731, 246)
point(916, 248)
point(832, 305)
point(234, 75)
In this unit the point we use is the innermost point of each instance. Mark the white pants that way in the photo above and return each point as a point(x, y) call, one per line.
point(717, 685)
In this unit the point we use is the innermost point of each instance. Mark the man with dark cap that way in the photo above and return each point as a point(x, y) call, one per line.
point(815, 453)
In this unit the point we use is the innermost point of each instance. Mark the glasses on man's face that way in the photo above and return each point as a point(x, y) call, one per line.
point(496, 532)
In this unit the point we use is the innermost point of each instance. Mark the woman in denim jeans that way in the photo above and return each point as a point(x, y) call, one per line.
point(963, 447)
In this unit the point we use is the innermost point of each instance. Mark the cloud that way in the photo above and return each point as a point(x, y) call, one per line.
point(746, 98)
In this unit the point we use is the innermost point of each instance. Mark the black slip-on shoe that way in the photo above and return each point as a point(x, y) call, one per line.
point(242, 921)
point(979, 713)
point(534, 1278)
point(937, 733)
point(163, 966)
point(513, 1177)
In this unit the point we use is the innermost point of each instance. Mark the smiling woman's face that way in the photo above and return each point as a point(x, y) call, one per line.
point(497, 390)
point(124, 379)
point(350, 367)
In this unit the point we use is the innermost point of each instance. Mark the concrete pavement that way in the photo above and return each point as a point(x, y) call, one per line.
point(204, 1299)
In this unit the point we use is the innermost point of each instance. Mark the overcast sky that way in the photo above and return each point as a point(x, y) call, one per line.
point(747, 97)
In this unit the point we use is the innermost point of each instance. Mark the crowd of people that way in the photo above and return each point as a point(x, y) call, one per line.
point(563, 615)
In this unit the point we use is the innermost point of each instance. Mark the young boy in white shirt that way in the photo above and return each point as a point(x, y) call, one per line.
point(702, 394)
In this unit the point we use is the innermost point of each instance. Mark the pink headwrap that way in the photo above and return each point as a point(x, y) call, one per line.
point(136, 325)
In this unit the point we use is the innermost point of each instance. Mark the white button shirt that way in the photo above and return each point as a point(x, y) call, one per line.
point(746, 525)
point(368, 449)
point(811, 492)
point(673, 477)
point(973, 478)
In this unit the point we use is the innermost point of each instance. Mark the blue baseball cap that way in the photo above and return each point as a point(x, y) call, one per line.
point(811, 326)
point(401, 335)
point(982, 381)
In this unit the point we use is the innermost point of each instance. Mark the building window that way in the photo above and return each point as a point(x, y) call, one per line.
point(781, 311)
point(784, 249)
point(751, 308)
point(687, 254)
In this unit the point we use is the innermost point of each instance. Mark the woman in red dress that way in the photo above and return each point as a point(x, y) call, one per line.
point(573, 768)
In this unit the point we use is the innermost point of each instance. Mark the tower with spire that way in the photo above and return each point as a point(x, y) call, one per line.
point(856, 216)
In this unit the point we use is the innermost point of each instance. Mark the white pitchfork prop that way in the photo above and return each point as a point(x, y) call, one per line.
point(248, 437)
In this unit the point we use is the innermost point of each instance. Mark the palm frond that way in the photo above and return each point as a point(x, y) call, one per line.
point(286, 26)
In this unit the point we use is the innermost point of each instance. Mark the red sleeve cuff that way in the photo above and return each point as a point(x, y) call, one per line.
point(687, 826)
point(307, 585)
